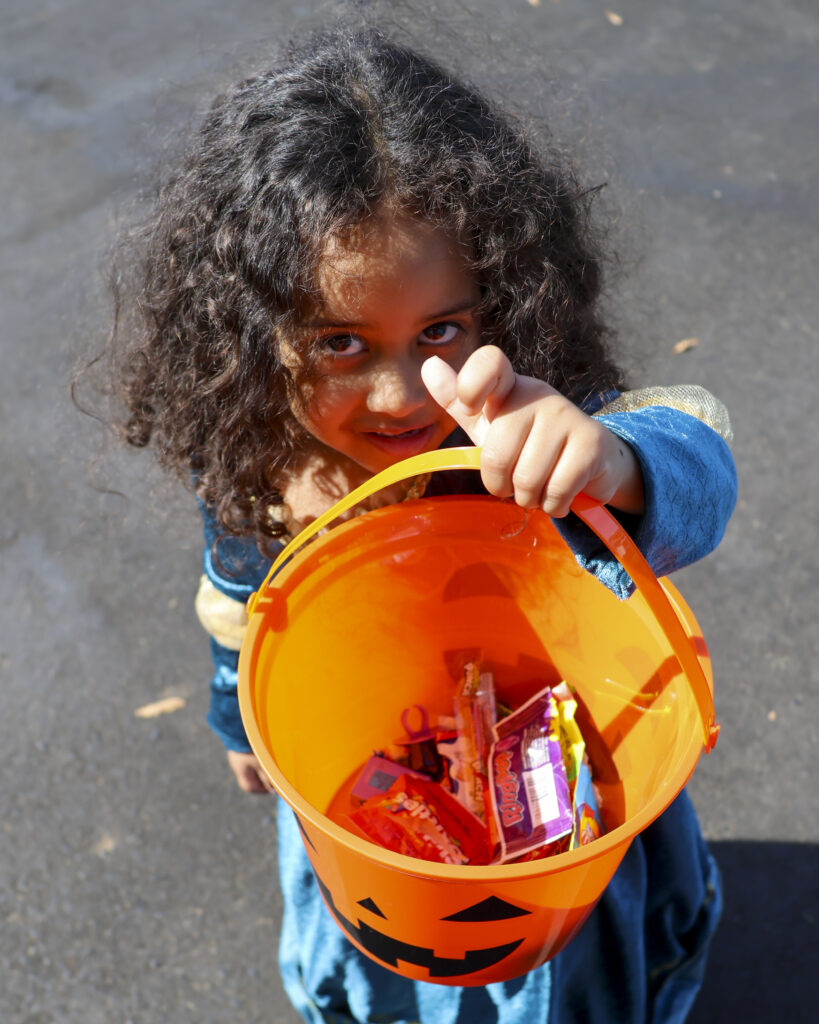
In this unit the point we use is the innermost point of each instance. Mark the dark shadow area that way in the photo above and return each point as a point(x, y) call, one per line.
point(764, 963)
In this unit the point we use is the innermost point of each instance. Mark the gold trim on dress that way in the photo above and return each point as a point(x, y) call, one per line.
point(689, 398)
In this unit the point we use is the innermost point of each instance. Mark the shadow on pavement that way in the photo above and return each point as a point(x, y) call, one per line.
point(763, 964)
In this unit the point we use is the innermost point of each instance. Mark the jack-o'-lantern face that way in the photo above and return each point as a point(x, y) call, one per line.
point(428, 930)
point(368, 926)
point(390, 950)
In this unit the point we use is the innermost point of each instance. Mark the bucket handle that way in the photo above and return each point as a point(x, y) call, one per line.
point(593, 514)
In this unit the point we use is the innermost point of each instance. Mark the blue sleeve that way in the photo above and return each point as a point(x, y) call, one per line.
point(236, 568)
point(690, 485)
point(223, 715)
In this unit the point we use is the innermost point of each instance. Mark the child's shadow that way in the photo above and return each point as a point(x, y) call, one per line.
point(763, 965)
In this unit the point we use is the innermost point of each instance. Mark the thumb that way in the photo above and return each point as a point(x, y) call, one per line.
point(442, 383)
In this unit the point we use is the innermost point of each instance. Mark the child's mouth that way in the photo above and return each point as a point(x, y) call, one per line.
point(403, 443)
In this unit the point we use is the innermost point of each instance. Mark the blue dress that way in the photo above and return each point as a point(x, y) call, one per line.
point(640, 957)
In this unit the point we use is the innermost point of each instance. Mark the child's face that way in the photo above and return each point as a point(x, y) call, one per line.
point(394, 294)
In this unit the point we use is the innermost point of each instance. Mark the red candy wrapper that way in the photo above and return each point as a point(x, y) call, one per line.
point(419, 818)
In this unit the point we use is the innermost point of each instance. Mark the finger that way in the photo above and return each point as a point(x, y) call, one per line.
point(535, 463)
point(246, 782)
point(254, 782)
point(568, 477)
point(485, 380)
point(584, 465)
point(442, 383)
point(502, 447)
point(248, 772)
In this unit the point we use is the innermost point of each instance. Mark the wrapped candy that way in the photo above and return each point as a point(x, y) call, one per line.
point(419, 818)
point(529, 788)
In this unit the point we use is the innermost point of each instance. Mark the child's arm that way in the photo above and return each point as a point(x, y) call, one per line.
point(688, 477)
point(233, 569)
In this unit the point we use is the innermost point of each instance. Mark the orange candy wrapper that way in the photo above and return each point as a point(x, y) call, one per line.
point(466, 749)
point(419, 818)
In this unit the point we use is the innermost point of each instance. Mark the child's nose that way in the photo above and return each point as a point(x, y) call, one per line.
point(396, 389)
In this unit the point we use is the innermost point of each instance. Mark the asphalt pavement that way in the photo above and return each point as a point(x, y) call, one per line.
point(137, 884)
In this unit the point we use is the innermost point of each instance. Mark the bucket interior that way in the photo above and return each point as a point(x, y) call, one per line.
point(376, 616)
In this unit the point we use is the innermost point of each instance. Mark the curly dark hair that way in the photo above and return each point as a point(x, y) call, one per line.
point(345, 124)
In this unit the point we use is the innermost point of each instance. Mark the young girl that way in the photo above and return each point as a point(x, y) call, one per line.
point(360, 259)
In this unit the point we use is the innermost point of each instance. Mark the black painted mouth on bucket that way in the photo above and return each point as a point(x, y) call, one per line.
point(389, 950)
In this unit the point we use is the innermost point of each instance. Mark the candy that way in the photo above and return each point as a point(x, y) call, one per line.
point(529, 789)
point(419, 745)
point(586, 821)
point(377, 775)
point(572, 743)
point(475, 717)
point(518, 789)
point(419, 818)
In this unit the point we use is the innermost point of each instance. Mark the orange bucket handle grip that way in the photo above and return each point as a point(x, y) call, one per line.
point(593, 514)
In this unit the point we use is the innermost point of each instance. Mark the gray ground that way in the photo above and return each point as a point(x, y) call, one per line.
point(136, 883)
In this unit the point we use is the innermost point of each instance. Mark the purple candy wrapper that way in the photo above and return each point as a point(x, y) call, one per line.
point(529, 788)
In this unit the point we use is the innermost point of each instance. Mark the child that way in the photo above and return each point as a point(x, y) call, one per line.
point(360, 259)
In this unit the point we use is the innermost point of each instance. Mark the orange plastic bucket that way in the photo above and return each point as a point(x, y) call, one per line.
point(365, 622)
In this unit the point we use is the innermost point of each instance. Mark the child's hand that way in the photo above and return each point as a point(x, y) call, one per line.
point(249, 773)
point(536, 444)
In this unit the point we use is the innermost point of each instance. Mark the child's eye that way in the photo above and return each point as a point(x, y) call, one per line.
point(343, 344)
point(440, 334)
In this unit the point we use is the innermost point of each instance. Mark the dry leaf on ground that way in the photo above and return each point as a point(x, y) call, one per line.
point(160, 707)
point(613, 17)
point(685, 345)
